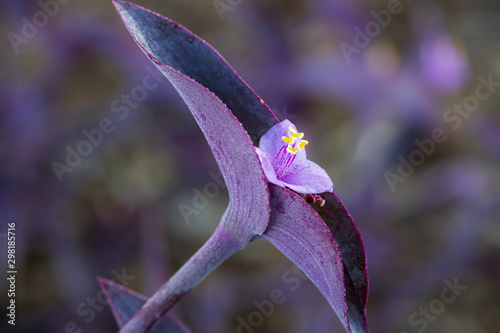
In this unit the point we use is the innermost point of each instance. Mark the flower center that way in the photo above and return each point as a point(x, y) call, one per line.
point(288, 151)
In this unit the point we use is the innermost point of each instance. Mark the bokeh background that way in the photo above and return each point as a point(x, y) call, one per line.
point(118, 209)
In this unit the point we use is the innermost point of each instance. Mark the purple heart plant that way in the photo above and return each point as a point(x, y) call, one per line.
point(275, 192)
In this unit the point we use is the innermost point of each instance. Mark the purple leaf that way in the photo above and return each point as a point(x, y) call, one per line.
point(173, 45)
point(248, 211)
point(205, 82)
point(125, 303)
point(345, 233)
point(247, 214)
point(300, 233)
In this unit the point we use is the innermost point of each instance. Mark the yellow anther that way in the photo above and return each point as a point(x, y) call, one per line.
point(297, 135)
point(291, 150)
point(302, 144)
point(292, 130)
point(287, 140)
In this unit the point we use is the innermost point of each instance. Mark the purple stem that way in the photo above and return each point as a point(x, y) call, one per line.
point(217, 249)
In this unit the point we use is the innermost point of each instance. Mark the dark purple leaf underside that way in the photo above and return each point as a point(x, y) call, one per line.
point(125, 303)
point(345, 233)
point(300, 233)
point(175, 46)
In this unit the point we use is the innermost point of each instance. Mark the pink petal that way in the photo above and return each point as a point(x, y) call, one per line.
point(308, 177)
point(271, 141)
point(268, 168)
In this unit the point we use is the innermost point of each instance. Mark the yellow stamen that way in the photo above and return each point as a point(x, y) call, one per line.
point(297, 135)
point(287, 140)
point(302, 144)
point(292, 130)
point(291, 150)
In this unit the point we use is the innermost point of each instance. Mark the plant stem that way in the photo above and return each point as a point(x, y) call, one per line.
point(217, 249)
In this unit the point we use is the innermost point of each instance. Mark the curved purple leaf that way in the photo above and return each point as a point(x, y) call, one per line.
point(247, 214)
point(248, 211)
point(300, 233)
point(346, 234)
point(168, 44)
point(125, 303)
point(175, 46)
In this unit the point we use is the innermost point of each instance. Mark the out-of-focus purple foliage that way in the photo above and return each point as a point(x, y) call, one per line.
point(119, 209)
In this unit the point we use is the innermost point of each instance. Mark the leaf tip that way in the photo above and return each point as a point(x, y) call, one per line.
point(121, 5)
point(106, 286)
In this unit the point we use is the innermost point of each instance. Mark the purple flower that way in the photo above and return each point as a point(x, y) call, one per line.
point(282, 154)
